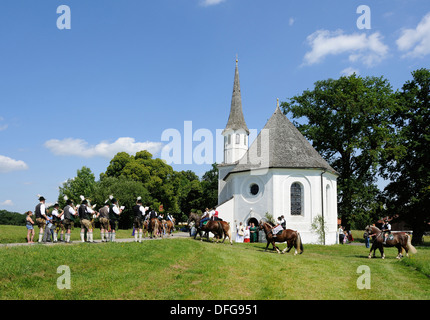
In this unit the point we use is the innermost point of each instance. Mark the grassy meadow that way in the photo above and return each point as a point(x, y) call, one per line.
point(186, 269)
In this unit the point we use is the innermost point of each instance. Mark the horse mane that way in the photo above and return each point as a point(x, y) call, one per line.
point(377, 229)
point(268, 222)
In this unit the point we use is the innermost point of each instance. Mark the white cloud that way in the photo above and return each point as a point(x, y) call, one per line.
point(80, 148)
point(8, 164)
point(207, 3)
point(416, 41)
point(349, 71)
point(366, 49)
point(7, 203)
point(291, 21)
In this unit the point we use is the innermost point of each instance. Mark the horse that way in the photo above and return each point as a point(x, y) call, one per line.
point(145, 228)
point(292, 237)
point(218, 228)
point(155, 226)
point(401, 240)
point(170, 226)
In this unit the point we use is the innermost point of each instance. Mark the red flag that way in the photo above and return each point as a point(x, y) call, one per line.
point(161, 208)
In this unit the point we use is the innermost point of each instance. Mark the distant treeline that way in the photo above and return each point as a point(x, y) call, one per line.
point(12, 218)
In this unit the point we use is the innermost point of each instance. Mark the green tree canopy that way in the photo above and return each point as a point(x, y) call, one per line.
point(408, 158)
point(83, 184)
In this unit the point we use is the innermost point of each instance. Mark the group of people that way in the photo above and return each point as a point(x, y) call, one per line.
point(246, 233)
point(57, 221)
point(344, 235)
point(51, 223)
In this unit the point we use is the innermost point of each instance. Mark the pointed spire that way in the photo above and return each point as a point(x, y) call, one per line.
point(236, 120)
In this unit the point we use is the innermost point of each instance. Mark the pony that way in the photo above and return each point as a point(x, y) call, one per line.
point(401, 240)
point(292, 237)
point(145, 228)
point(169, 226)
point(218, 228)
point(155, 227)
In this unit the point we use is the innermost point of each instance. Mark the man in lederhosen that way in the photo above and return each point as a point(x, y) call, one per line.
point(114, 213)
point(139, 212)
point(85, 213)
point(41, 217)
point(104, 222)
point(69, 214)
point(58, 219)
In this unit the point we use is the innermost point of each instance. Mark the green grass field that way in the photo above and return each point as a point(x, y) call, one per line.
point(187, 269)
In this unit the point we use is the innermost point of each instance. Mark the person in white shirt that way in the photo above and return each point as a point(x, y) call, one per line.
point(211, 213)
point(114, 213)
point(85, 213)
point(58, 219)
point(139, 213)
point(69, 214)
point(240, 232)
point(41, 217)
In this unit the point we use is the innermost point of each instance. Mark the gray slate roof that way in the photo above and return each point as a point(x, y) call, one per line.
point(236, 120)
point(280, 145)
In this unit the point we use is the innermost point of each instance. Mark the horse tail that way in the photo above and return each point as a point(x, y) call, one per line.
point(411, 248)
point(229, 233)
point(299, 243)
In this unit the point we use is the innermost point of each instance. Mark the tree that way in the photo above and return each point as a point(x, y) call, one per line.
point(126, 191)
point(154, 174)
point(83, 184)
point(348, 123)
point(12, 218)
point(408, 158)
point(210, 187)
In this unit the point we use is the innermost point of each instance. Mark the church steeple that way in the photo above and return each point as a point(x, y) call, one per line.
point(236, 119)
point(236, 131)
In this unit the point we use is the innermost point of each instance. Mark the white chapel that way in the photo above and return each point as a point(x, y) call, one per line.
point(280, 174)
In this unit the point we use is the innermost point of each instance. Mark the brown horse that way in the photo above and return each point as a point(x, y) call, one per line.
point(292, 238)
point(218, 228)
point(169, 226)
point(155, 227)
point(401, 240)
point(145, 228)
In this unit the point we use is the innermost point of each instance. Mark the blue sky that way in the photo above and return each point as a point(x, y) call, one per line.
point(128, 70)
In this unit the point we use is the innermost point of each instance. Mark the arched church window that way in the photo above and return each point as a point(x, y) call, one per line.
point(296, 199)
point(237, 138)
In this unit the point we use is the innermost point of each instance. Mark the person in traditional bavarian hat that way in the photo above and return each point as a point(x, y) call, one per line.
point(139, 212)
point(114, 213)
point(41, 218)
point(104, 221)
point(69, 214)
point(85, 213)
